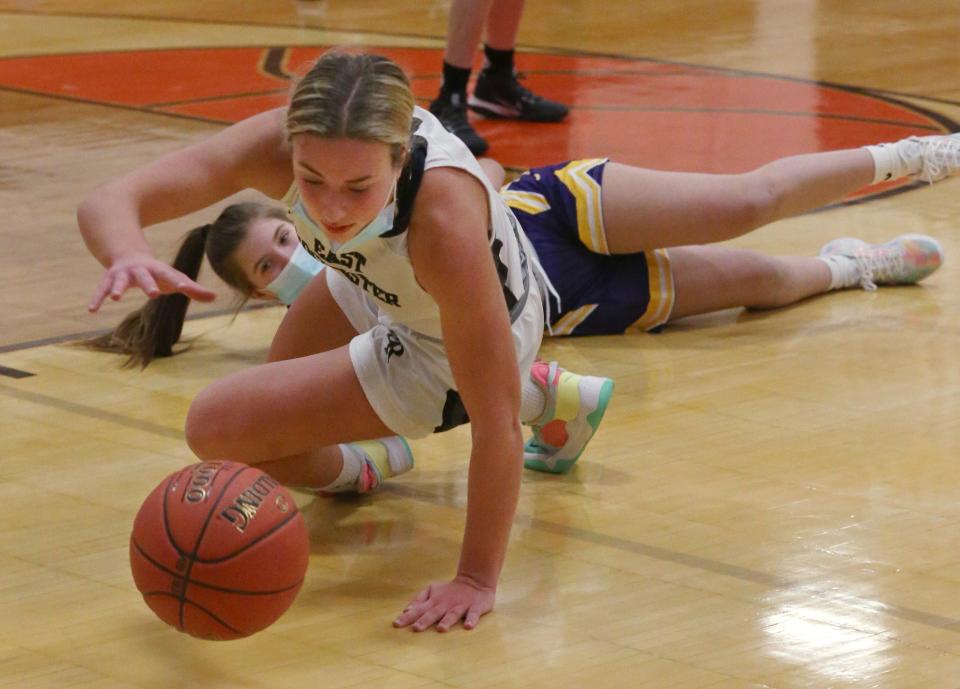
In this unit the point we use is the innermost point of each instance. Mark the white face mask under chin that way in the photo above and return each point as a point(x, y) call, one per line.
point(295, 276)
point(380, 225)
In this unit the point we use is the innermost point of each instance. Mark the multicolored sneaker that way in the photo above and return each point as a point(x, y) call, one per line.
point(575, 406)
point(904, 260)
point(382, 459)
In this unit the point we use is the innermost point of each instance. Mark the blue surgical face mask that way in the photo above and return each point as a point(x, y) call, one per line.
point(380, 225)
point(295, 276)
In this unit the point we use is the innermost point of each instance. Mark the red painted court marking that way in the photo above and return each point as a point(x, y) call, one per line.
point(659, 115)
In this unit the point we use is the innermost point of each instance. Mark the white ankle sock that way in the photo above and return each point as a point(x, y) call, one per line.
point(533, 400)
point(844, 271)
point(888, 163)
point(352, 464)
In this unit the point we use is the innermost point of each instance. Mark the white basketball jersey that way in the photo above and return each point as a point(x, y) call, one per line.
point(381, 267)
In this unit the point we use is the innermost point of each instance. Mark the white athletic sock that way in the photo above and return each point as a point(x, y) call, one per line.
point(844, 271)
point(888, 163)
point(352, 465)
point(533, 400)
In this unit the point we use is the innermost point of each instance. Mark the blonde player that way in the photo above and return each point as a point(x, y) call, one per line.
point(398, 205)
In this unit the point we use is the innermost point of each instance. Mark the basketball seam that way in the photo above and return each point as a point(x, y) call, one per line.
point(198, 607)
point(252, 543)
point(191, 557)
point(205, 585)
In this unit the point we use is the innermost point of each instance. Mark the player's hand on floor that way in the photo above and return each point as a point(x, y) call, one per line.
point(151, 275)
point(445, 603)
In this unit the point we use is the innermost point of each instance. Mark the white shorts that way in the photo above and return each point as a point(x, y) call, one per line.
point(405, 374)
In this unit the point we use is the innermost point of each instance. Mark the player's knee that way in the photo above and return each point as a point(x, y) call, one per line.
point(203, 426)
point(771, 274)
point(768, 279)
point(760, 199)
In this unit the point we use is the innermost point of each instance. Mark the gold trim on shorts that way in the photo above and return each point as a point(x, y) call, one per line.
point(569, 322)
point(529, 202)
point(662, 295)
point(586, 192)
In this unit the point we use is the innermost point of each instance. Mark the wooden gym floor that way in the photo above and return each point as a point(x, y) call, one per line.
point(771, 501)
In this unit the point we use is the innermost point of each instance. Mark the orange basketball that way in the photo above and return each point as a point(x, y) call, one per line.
point(219, 550)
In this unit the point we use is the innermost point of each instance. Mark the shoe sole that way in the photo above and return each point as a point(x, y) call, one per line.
point(593, 418)
point(407, 457)
point(496, 111)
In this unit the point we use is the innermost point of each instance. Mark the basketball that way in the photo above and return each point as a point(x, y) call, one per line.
point(219, 550)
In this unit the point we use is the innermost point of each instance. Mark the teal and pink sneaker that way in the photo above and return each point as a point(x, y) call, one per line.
point(382, 459)
point(904, 260)
point(575, 406)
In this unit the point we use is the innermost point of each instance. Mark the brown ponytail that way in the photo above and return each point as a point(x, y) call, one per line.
point(153, 330)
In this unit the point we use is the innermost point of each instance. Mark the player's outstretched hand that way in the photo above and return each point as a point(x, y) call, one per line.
point(151, 275)
point(444, 603)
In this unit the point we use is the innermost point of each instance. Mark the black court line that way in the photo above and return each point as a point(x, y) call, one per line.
point(91, 412)
point(216, 99)
point(14, 372)
point(144, 110)
point(770, 581)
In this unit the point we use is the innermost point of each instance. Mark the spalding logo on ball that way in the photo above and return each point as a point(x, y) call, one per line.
point(219, 550)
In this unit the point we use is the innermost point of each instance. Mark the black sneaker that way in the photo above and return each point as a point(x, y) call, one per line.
point(452, 113)
point(502, 95)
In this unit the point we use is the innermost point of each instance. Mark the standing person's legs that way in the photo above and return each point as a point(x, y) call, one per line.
point(464, 27)
point(498, 93)
point(503, 24)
